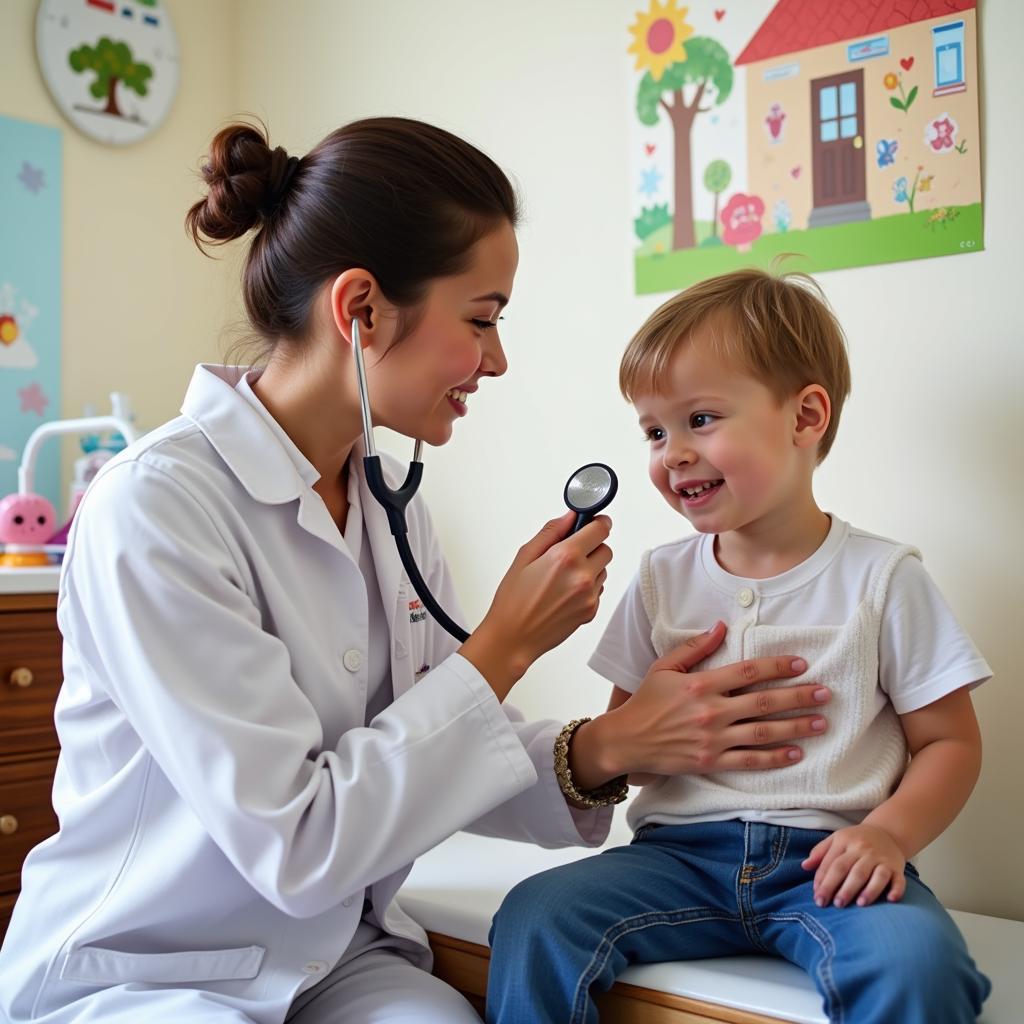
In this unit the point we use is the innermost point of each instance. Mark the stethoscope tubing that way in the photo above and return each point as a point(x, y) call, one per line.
point(395, 502)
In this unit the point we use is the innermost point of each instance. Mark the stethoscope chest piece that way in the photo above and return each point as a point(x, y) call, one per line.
point(590, 490)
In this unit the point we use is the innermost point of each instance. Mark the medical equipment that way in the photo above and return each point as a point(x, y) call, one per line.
point(589, 490)
point(20, 550)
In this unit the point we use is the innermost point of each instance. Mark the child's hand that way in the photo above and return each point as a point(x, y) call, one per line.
point(860, 859)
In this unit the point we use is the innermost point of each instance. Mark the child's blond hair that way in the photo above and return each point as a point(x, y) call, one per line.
point(777, 328)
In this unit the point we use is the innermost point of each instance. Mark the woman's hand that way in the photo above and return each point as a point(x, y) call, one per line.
point(857, 863)
point(553, 586)
point(683, 722)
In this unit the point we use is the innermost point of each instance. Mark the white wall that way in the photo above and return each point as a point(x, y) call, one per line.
point(928, 449)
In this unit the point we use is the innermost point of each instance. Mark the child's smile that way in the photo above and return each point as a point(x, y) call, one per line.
point(696, 494)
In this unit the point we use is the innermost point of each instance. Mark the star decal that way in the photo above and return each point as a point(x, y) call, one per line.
point(33, 399)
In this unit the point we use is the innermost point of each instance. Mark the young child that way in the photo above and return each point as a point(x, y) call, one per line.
point(739, 383)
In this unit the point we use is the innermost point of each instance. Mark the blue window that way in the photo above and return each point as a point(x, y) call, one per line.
point(837, 112)
point(948, 43)
point(848, 98)
point(827, 106)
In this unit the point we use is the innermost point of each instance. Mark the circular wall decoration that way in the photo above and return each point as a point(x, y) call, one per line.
point(110, 65)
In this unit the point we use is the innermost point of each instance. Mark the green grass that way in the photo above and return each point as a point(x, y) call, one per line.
point(660, 242)
point(904, 236)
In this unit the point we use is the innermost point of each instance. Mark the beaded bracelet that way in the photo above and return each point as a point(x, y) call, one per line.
point(612, 792)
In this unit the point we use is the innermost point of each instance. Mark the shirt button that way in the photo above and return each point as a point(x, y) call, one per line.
point(745, 597)
point(314, 967)
point(353, 660)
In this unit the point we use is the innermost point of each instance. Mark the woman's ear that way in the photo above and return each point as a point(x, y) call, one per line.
point(355, 295)
point(813, 415)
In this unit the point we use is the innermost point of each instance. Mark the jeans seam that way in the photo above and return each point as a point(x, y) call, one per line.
point(740, 899)
point(626, 927)
point(824, 939)
point(779, 848)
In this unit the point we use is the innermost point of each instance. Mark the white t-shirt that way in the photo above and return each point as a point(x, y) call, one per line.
point(924, 654)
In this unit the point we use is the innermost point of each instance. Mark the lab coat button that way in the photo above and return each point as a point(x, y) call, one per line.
point(347, 901)
point(353, 660)
point(745, 597)
point(400, 649)
point(315, 967)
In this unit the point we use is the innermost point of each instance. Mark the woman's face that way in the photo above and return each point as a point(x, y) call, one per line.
point(427, 381)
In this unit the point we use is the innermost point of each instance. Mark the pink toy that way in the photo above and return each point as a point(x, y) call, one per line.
point(26, 521)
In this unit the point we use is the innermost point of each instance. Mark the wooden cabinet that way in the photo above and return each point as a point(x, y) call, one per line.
point(30, 675)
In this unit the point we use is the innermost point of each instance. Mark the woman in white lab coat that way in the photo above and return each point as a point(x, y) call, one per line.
point(260, 727)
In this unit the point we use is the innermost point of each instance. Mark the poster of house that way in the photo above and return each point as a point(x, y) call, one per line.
point(846, 133)
point(30, 289)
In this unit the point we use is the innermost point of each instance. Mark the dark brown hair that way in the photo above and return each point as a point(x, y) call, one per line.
point(778, 328)
point(402, 199)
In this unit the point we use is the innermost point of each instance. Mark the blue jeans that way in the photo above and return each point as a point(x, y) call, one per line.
point(684, 892)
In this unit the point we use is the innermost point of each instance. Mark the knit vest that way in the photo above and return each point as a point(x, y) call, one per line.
point(860, 758)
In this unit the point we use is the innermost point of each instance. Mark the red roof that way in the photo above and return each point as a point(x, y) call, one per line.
point(795, 25)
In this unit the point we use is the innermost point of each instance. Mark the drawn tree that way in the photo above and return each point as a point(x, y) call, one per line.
point(717, 176)
point(706, 75)
point(112, 63)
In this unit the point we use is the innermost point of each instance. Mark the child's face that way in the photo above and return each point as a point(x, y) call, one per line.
point(722, 448)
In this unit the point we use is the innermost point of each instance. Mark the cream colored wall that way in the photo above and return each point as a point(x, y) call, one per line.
point(140, 305)
point(929, 447)
point(770, 165)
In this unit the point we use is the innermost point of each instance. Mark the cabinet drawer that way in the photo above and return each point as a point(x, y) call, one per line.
point(30, 675)
point(26, 814)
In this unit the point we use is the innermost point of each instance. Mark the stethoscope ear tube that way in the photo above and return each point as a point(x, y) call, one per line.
point(394, 502)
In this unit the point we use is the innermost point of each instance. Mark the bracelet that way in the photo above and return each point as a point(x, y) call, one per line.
point(612, 792)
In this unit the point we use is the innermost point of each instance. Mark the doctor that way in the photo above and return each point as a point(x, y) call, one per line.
point(260, 729)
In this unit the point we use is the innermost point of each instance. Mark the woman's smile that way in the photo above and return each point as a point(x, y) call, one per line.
point(457, 398)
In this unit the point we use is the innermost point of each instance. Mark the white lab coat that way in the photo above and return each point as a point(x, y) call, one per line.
point(224, 809)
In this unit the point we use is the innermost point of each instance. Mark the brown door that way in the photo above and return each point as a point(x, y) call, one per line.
point(837, 146)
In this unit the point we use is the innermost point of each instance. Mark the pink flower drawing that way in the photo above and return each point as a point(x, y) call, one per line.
point(741, 221)
point(773, 122)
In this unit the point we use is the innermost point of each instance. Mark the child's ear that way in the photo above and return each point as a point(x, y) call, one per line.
point(813, 414)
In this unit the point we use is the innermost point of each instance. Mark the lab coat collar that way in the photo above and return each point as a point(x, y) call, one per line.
point(243, 438)
point(273, 474)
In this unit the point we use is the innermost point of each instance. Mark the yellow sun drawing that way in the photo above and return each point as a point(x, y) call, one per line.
point(658, 37)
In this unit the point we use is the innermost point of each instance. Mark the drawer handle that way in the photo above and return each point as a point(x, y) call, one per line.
point(8, 824)
point(22, 677)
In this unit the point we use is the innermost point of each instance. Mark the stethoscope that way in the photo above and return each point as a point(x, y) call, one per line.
point(589, 490)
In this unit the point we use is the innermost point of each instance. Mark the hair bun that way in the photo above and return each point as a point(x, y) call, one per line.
point(246, 181)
